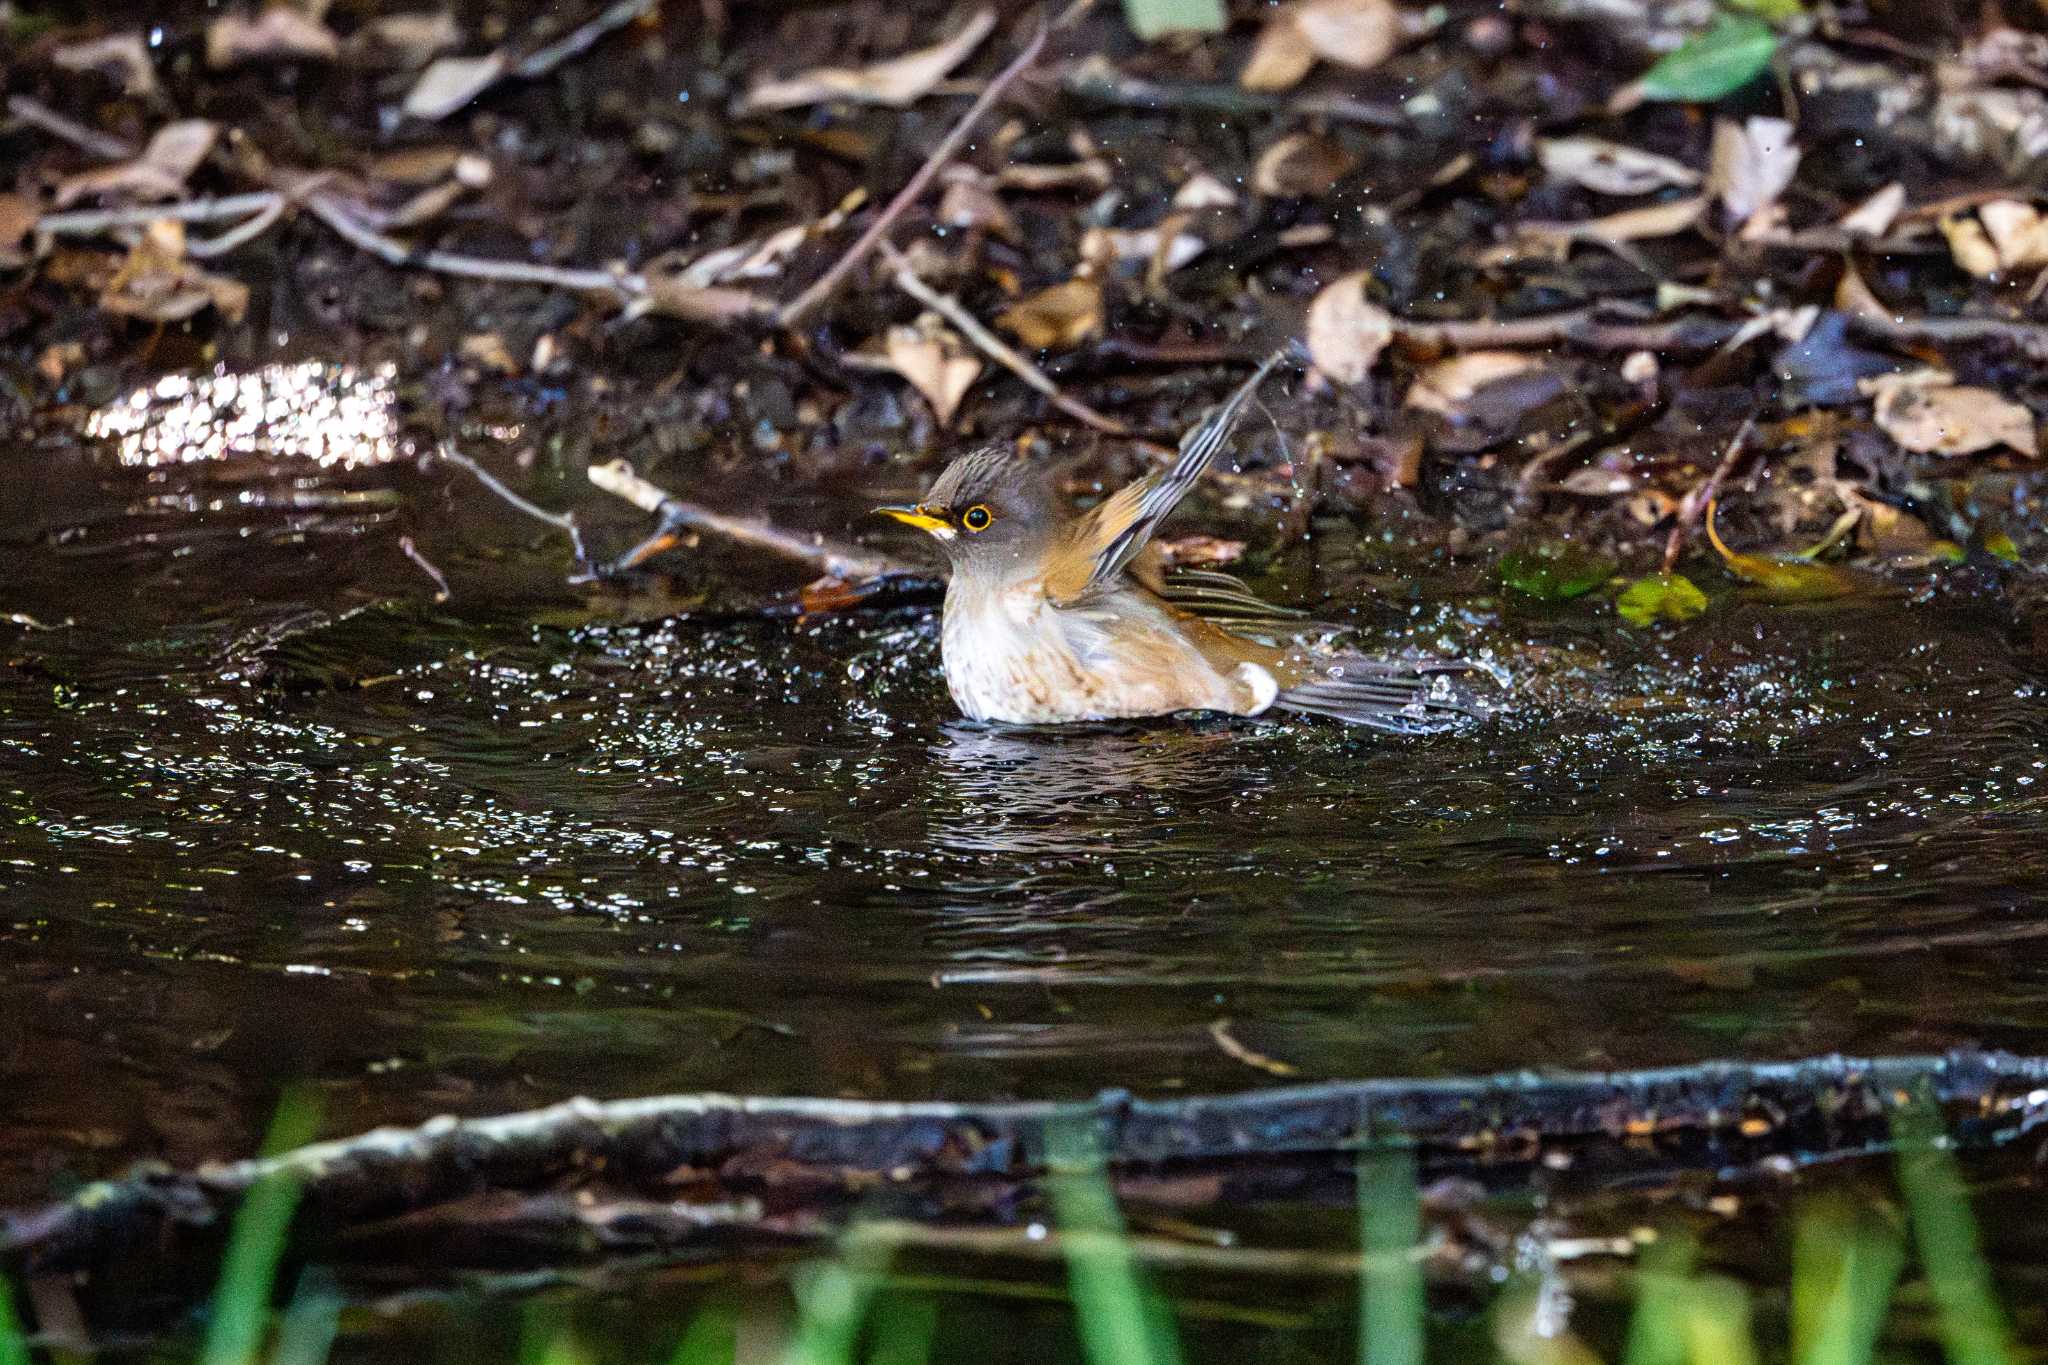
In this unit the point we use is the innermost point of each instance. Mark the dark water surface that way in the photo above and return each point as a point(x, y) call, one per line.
point(268, 813)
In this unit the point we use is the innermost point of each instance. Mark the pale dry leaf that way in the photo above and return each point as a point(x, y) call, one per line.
point(1752, 164)
point(1359, 34)
point(936, 362)
point(724, 306)
point(155, 282)
point(276, 33)
point(1612, 167)
point(2017, 231)
point(756, 259)
point(1933, 418)
point(1346, 332)
point(1854, 297)
point(1061, 316)
point(125, 53)
point(18, 215)
point(898, 82)
point(1301, 165)
point(970, 201)
point(1874, 216)
point(1090, 173)
point(489, 350)
point(1281, 56)
point(174, 152)
point(1630, 225)
point(1971, 246)
point(1595, 482)
point(1448, 385)
point(1103, 249)
point(1640, 367)
point(414, 39)
point(1204, 191)
point(452, 82)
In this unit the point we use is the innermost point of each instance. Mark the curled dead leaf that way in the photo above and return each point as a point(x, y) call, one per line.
point(1359, 34)
point(1301, 166)
point(1346, 332)
point(1630, 225)
point(1162, 248)
point(1874, 216)
point(970, 201)
point(1752, 164)
point(1204, 191)
point(276, 33)
point(174, 152)
point(18, 214)
point(1929, 413)
point(1612, 167)
point(1447, 386)
point(935, 361)
point(1062, 316)
point(157, 284)
point(898, 82)
point(122, 53)
point(1971, 246)
point(2018, 232)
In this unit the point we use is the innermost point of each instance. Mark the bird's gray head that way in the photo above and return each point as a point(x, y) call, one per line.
point(992, 510)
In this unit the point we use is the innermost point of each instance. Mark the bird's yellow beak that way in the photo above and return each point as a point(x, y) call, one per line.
point(918, 517)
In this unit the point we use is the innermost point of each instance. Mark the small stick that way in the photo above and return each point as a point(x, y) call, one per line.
point(847, 562)
point(87, 222)
point(1704, 495)
point(206, 248)
point(581, 39)
point(561, 521)
point(343, 220)
point(993, 346)
point(797, 308)
point(412, 552)
point(102, 145)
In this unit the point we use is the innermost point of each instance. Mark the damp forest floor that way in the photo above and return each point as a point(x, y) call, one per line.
point(366, 757)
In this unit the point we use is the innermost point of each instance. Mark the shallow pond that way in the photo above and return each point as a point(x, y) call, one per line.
point(271, 813)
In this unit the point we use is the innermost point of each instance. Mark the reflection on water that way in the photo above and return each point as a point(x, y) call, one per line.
point(336, 416)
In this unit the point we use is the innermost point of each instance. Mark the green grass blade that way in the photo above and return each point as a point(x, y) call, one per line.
point(904, 1331)
point(1717, 1330)
point(307, 1328)
point(256, 1242)
point(712, 1338)
point(1973, 1327)
point(1391, 1305)
point(833, 1298)
point(1844, 1268)
point(13, 1344)
point(1656, 1333)
point(1121, 1322)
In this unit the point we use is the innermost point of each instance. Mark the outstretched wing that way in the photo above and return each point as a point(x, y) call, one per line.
point(1104, 542)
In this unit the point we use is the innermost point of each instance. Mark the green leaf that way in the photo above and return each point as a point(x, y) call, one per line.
point(1150, 18)
point(1554, 573)
point(2001, 544)
point(1788, 578)
point(1660, 596)
point(1718, 62)
point(1776, 11)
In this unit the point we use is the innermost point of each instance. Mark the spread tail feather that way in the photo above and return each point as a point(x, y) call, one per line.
point(1387, 694)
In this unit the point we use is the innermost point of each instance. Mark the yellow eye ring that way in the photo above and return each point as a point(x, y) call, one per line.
point(977, 518)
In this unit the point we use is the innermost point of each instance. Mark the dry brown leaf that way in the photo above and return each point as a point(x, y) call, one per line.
point(1595, 482)
point(1854, 297)
point(1359, 34)
point(1204, 191)
point(1281, 56)
point(1346, 332)
point(1929, 413)
point(1090, 173)
point(1630, 225)
point(1062, 316)
point(1163, 248)
point(1299, 166)
point(277, 33)
point(1971, 246)
point(1752, 164)
point(452, 82)
point(1448, 385)
point(156, 283)
point(1874, 216)
point(897, 82)
point(668, 295)
point(1612, 167)
point(970, 201)
point(2018, 231)
point(174, 152)
point(414, 39)
point(18, 215)
point(489, 350)
point(122, 52)
point(935, 361)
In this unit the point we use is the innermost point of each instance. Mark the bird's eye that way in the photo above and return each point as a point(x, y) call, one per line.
point(977, 518)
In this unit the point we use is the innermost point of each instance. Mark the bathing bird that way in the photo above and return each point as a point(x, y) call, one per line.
point(1052, 618)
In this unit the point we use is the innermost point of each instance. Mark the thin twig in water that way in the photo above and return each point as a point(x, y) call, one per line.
point(412, 552)
point(1689, 509)
point(992, 345)
point(102, 145)
point(849, 563)
point(343, 220)
point(561, 521)
point(1236, 1051)
point(797, 308)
